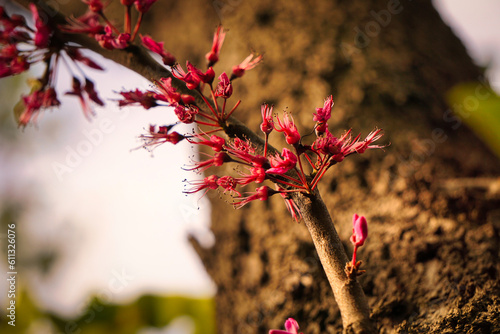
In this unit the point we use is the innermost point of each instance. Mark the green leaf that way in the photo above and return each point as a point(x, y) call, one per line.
point(478, 106)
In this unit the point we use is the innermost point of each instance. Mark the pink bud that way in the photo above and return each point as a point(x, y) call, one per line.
point(359, 230)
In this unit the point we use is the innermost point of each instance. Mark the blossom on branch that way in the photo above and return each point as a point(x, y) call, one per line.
point(157, 47)
point(261, 193)
point(213, 55)
point(192, 80)
point(143, 6)
point(42, 33)
point(291, 326)
point(281, 166)
point(145, 99)
point(160, 136)
point(322, 115)
point(216, 143)
point(292, 135)
point(224, 87)
point(267, 124)
point(245, 65)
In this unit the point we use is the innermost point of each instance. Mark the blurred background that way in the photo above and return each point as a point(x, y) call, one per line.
point(102, 228)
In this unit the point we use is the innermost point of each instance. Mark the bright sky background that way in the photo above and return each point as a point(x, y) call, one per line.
point(121, 212)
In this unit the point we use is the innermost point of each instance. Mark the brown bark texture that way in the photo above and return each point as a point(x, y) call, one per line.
point(432, 255)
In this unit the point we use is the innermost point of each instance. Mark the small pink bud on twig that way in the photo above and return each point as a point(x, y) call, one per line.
point(359, 235)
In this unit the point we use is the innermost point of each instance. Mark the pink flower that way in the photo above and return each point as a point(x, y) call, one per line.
point(292, 135)
point(359, 230)
point(79, 91)
point(224, 87)
point(281, 166)
point(145, 99)
point(95, 6)
point(192, 81)
point(92, 94)
point(217, 160)
point(76, 55)
point(290, 204)
point(228, 183)
point(246, 64)
point(328, 144)
point(143, 6)
point(185, 114)
point(157, 47)
point(257, 175)
point(167, 92)
point(267, 119)
point(215, 142)
point(88, 23)
point(359, 235)
point(261, 193)
point(160, 136)
point(207, 77)
point(244, 151)
point(213, 55)
point(323, 114)
point(32, 103)
point(210, 182)
point(110, 41)
point(42, 33)
point(292, 327)
point(361, 147)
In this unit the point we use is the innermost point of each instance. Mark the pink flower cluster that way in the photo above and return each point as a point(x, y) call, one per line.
point(22, 46)
point(297, 169)
point(105, 33)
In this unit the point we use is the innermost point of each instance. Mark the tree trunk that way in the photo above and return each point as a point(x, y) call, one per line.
point(432, 256)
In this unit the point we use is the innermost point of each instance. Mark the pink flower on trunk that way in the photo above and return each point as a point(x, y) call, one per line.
point(143, 6)
point(95, 6)
point(160, 136)
point(146, 99)
point(158, 48)
point(267, 119)
point(359, 230)
point(246, 64)
point(261, 193)
point(210, 182)
point(215, 142)
point(359, 235)
point(42, 34)
point(291, 325)
point(281, 166)
point(224, 87)
point(213, 55)
point(292, 135)
point(192, 80)
point(322, 115)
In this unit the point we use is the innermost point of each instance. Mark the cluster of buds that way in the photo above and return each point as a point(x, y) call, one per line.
point(297, 169)
point(95, 23)
point(22, 46)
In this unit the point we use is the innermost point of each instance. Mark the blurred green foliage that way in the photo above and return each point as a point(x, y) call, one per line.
point(478, 106)
point(146, 312)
